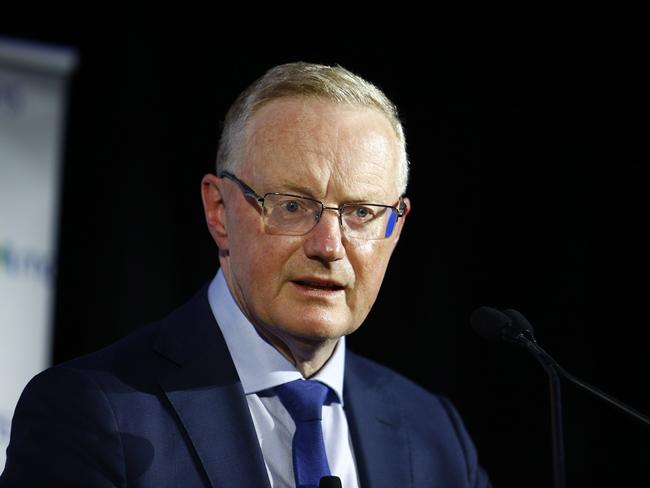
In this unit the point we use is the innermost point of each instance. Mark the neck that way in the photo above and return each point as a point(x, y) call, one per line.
point(307, 356)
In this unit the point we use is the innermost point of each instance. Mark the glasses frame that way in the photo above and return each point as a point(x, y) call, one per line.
point(399, 209)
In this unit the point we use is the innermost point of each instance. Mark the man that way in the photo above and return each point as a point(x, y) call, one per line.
point(306, 208)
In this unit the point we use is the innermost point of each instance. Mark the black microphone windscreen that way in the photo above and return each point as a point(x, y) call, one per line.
point(330, 482)
point(519, 321)
point(489, 323)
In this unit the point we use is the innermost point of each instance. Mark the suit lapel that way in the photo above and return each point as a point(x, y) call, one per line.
point(205, 392)
point(380, 442)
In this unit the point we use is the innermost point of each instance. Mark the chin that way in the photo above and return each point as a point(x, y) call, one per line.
point(321, 328)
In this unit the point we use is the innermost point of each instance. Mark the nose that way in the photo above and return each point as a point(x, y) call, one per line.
point(324, 242)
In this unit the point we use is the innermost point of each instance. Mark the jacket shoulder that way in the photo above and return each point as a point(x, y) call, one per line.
point(377, 375)
point(434, 427)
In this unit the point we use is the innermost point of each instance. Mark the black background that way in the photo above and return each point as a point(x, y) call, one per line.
point(527, 129)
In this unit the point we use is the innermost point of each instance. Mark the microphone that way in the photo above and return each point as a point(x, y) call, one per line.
point(495, 325)
point(511, 326)
point(330, 482)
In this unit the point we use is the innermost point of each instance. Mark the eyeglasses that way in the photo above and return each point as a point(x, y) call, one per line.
point(295, 215)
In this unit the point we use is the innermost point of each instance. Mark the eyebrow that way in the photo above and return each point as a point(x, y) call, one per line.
point(302, 191)
point(298, 189)
point(294, 188)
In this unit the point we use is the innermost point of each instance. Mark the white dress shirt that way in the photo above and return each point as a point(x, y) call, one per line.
point(261, 367)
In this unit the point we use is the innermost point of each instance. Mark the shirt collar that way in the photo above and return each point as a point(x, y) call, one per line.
point(259, 365)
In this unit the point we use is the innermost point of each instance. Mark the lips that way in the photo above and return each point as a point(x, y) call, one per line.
point(320, 284)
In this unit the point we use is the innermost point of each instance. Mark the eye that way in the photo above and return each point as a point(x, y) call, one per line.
point(362, 213)
point(291, 206)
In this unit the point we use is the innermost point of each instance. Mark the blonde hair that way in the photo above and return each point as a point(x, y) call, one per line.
point(304, 80)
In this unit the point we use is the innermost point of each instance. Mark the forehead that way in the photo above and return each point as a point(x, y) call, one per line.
point(332, 149)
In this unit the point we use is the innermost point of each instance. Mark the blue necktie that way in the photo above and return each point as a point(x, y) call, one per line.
point(304, 400)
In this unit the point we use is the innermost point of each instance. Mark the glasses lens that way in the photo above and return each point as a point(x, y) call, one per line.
point(368, 221)
point(289, 215)
point(293, 215)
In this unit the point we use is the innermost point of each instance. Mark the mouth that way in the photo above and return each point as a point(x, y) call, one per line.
point(320, 285)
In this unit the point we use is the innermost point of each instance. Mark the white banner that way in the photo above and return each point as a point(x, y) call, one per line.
point(32, 103)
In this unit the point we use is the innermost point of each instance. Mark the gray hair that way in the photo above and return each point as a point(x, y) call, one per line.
point(304, 80)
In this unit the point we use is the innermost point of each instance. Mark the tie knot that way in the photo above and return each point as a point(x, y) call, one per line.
point(303, 399)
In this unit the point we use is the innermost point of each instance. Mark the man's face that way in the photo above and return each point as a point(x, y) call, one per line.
point(319, 286)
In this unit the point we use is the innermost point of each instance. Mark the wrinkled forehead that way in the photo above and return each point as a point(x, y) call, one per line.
point(332, 149)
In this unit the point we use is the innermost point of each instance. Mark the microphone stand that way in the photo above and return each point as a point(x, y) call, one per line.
point(552, 369)
point(603, 396)
point(548, 362)
point(511, 326)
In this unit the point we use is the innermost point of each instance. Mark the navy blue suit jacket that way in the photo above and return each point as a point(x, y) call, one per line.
point(164, 407)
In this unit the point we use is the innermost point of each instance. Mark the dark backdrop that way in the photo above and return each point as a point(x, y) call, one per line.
point(527, 129)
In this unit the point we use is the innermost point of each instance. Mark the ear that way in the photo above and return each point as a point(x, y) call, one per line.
point(402, 219)
point(214, 209)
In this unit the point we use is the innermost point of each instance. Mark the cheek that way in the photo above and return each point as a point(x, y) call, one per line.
point(370, 260)
point(260, 263)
